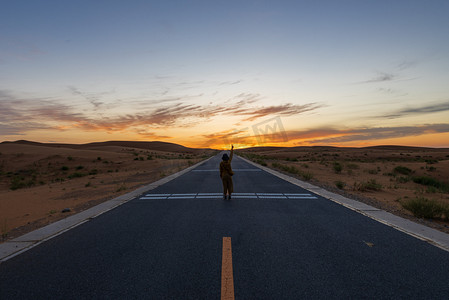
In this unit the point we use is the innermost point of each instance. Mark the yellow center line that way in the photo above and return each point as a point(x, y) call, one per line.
point(227, 279)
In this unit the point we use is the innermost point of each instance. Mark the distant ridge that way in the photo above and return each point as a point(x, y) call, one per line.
point(380, 147)
point(153, 145)
point(395, 147)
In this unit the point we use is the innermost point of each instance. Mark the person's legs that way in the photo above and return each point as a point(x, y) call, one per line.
point(225, 187)
point(230, 187)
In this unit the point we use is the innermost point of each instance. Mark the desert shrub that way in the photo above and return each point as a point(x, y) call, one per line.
point(261, 162)
point(352, 166)
point(291, 159)
point(65, 168)
point(431, 190)
point(431, 161)
point(293, 170)
point(79, 167)
point(402, 170)
point(340, 184)
point(307, 176)
point(18, 182)
point(370, 185)
point(69, 158)
point(122, 187)
point(337, 167)
point(76, 175)
point(424, 208)
point(429, 181)
point(93, 172)
point(403, 179)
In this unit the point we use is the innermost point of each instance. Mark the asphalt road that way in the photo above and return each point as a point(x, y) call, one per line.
point(287, 243)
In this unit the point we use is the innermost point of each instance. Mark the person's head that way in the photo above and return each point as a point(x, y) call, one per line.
point(225, 157)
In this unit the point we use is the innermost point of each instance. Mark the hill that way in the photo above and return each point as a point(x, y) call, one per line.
point(153, 145)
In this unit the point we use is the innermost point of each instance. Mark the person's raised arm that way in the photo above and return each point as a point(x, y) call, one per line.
point(232, 153)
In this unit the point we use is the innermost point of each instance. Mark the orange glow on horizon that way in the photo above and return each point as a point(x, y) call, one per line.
point(223, 141)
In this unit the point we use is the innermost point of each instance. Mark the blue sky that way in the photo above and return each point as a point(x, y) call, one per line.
point(197, 72)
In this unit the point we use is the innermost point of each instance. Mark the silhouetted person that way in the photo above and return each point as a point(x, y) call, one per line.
point(226, 174)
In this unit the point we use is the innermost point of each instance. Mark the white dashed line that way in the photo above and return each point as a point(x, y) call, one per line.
point(235, 170)
point(234, 195)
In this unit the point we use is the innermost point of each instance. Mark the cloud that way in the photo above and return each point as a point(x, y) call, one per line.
point(230, 82)
point(406, 64)
point(151, 135)
point(338, 136)
point(433, 108)
point(381, 77)
point(19, 116)
point(92, 99)
point(280, 110)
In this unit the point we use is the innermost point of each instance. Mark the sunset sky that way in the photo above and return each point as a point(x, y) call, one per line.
point(210, 73)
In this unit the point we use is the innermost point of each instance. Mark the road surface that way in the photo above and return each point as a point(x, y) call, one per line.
point(273, 240)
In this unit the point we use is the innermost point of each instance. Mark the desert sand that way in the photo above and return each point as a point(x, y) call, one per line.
point(386, 177)
point(43, 183)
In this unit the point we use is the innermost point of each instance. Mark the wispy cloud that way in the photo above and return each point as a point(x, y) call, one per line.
point(91, 98)
point(230, 82)
point(280, 110)
point(426, 109)
point(381, 77)
point(339, 136)
point(25, 114)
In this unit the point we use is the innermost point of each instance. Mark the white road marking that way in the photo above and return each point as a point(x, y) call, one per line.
point(209, 194)
point(234, 195)
point(238, 170)
point(270, 194)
